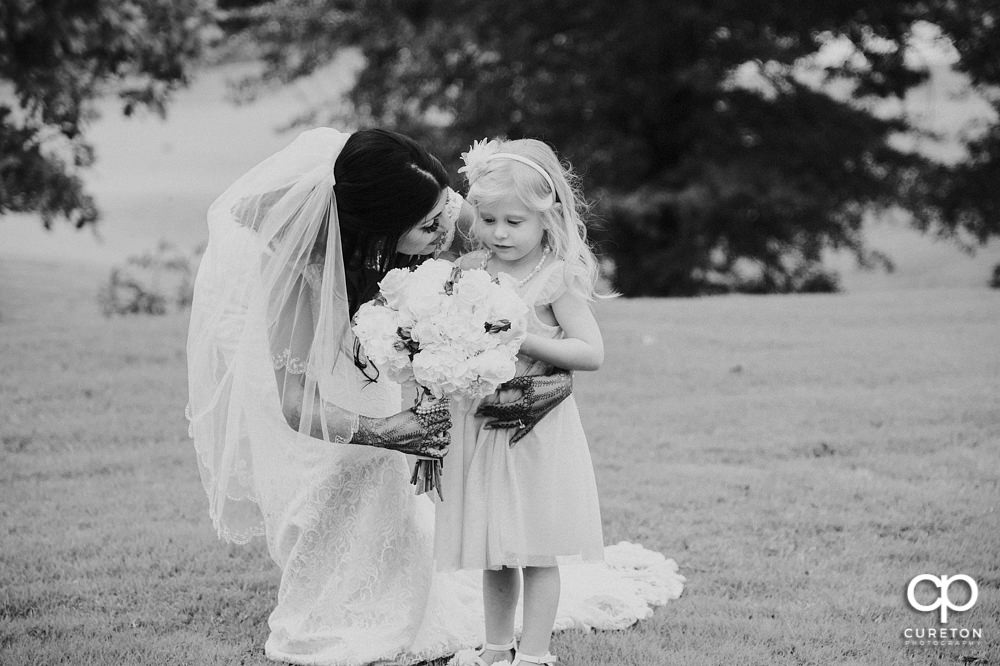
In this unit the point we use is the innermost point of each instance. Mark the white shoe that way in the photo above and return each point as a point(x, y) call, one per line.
point(492, 647)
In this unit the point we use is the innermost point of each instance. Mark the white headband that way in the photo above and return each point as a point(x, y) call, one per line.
point(481, 152)
point(534, 165)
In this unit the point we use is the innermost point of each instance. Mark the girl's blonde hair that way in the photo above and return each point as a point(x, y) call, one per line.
point(562, 206)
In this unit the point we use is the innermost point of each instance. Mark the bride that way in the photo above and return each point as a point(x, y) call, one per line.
point(300, 440)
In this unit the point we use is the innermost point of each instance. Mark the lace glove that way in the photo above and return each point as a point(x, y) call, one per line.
point(420, 431)
point(539, 395)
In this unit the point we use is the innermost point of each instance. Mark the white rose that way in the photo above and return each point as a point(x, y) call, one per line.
point(406, 318)
point(512, 337)
point(435, 271)
point(398, 367)
point(393, 285)
point(474, 287)
point(461, 330)
point(457, 377)
point(428, 333)
point(505, 305)
point(430, 369)
point(495, 366)
point(419, 304)
point(375, 321)
point(387, 355)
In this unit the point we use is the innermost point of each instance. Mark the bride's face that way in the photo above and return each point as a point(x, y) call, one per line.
point(424, 237)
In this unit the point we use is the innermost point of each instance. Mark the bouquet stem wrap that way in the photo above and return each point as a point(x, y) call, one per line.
point(427, 472)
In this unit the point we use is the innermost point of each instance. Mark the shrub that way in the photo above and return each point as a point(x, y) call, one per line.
point(656, 248)
point(152, 283)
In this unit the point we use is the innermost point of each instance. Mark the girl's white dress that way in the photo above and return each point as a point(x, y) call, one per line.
point(531, 504)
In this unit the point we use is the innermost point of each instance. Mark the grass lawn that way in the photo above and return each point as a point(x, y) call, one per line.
point(801, 457)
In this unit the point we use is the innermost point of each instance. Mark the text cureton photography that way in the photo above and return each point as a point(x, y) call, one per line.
point(936, 592)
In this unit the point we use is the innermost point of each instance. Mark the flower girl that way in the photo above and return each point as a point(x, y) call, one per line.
point(517, 504)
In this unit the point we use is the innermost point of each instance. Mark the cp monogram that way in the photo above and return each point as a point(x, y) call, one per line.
point(943, 602)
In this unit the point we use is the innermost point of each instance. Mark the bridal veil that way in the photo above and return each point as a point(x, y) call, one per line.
point(269, 314)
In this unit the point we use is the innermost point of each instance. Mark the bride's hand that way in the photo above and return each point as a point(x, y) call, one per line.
point(524, 401)
point(423, 430)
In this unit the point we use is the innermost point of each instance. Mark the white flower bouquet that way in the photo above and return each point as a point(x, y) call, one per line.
point(454, 332)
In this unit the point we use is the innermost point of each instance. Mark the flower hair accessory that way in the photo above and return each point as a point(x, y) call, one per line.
point(476, 157)
point(481, 152)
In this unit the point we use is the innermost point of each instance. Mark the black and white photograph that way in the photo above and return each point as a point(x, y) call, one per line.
point(450, 333)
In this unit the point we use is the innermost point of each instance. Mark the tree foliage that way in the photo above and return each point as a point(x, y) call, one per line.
point(695, 173)
point(56, 58)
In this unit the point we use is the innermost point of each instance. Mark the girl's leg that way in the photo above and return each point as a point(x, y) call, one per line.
point(541, 600)
point(501, 588)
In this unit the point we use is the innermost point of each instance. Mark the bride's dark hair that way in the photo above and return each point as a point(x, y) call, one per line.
point(385, 184)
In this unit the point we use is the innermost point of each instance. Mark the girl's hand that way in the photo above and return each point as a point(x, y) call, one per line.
point(537, 395)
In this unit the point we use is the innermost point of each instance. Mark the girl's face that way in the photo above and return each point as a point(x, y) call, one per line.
point(425, 236)
point(511, 230)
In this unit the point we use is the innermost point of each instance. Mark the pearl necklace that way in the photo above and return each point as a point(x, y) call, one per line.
point(532, 273)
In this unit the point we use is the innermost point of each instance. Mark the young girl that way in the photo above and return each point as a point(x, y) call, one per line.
point(519, 507)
